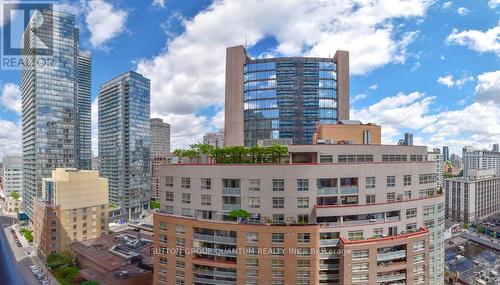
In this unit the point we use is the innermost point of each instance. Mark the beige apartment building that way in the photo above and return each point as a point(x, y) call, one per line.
point(330, 214)
point(73, 207)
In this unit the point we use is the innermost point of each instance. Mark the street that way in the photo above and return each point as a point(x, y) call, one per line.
point(14, 261)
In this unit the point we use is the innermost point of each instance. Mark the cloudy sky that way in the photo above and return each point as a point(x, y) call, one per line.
point(422, 66)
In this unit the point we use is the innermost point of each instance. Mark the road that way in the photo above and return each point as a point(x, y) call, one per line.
point(16, 262)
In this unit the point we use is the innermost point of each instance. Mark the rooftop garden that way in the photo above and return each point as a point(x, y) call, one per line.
point(275, 153)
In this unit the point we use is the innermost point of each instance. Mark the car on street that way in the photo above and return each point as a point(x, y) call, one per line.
point(34, 269)
point(39, 276)
point(44, 282)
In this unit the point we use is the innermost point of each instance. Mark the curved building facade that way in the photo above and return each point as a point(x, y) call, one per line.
point(341, 214)
point(283, 98)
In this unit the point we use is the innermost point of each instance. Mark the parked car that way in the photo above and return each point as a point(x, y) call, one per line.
point(44, 282)
point(34, 269)
point(39, 276)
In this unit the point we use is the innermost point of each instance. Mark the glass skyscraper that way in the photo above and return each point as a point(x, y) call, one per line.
point(283, 98)
point(124, 141)
point(55, 107)
point(83, 112)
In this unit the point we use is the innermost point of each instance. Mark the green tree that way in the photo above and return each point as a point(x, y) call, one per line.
point(56, 260)
point(154, 204)
point(15, 195)
point(239, 214)
point(90, 282)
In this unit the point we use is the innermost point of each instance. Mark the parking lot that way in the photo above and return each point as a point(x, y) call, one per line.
point(472, 260)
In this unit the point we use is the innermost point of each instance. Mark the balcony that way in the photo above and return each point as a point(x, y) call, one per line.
point(327, 191)
point(328, 255)
point(230, 207)
point(328, 276)
point(213, 281)
point(346, 190)
point(329, 242)
point(391, 255)
point(328, 266)
point(231, 191)
point(392, 219)
point(215, 239)
point(361, 222)
point(391, 277)
point(216, 251)
point(215, 273)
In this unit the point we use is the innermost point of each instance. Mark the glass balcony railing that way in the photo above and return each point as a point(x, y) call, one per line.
point(214, 273)
point(231, 191)
point(328, 266)
point(391, 255)
point(349, 190)
point(231, 207)
point(329, 242)
point(391, 277)
point(213, 281)
point(327, 191)
point(328, 276)
point(215, 239)
point(216, 251)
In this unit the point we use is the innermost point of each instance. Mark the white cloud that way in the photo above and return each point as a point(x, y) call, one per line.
point(188, 74)
point(447, 4)
point(186, 129)
point(488, 41)
point(448, 80)
point(478, 123)
point(493, 3)
point(463, 11)
point(488, 87)
point(10, 137)
point(415, 66)
point(11, 97)
point(373, 87)
point(357, 98)
point(159, 3)
point(104, 22)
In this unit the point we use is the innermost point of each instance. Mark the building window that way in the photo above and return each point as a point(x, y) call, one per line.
point(370, 182)
point(163, 226)
point(206, 200)
point(303, 237)
point(169, 181)
point(326, 159)
point(186, 182)
point(253, 184)
point(303, 202)
point(180, 242)
point(391, 181)
point(186, 212)
point(186, 198)
point(411, 213)
point(278, 218)
point(279, 185)
point(355, 235)
point(356, 267)
point(360, 254)
point(278, 202)
point(303, 219)
point(277, 251)
point(180, 229)
point(254, 202)
point(169, 196)
point(303, 263)
point(427, 178)
point(278, 237)
point(277, 263)
point(206, 183)
point(391, 197)
point(252, 262)
point(407, 180)
point(378, 232)
point(277, 273)
point(370, 199)
point(163, 238)
point(411, 227)
point(418, 245)
point(169, 209)
point(252, 237)
point(163, 260)
point(302, 185)
point(252, 273)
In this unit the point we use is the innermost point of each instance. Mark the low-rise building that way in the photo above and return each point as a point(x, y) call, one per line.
point(13, 205)
point(348, 132)
point(472, 197)
point(73, 207)
point(123, 258)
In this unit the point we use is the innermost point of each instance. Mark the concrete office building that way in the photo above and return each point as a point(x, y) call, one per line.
point(446, 153)
point(215, 139)
point(160, 137)
point(12, 174)
point(456, 161)
point(156, 162)
point(496, 148)
point(474, 159)
point(280, 98)
point(55, 104)
point(124, 142)
point(379, 202)
point(73, 207)
point(435, 155)
point(472, 197)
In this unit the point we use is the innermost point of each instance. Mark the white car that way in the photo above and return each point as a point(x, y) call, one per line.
point(34, 269)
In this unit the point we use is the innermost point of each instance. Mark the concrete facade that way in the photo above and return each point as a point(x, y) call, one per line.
point(352, 192)
point(73, 207)
point(160, 137)
point(215, 139)
point(354, 133)
point(12, 174)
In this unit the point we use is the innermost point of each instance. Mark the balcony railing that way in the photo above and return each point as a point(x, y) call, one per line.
point(328, 266)
point(391, 255)
point(328, 276)
point(391, 277)
point(215, 239)
point(216, 251)
point(231, 191)
point(215, 273)
point(361, 222)
point(392, 219)
point(329, 242)
point(231, 207)
point(349, 190)
point(327, 191)
point(213, 281)
point(330, 224)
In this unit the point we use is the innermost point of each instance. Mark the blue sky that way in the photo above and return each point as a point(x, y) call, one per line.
point(427, 67)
